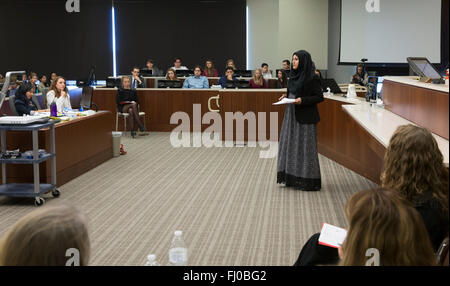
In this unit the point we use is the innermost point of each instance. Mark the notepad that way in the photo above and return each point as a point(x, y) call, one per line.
point(285, 101)
point(332, 236)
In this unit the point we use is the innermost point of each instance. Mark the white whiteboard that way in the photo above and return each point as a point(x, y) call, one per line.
point(401, 29)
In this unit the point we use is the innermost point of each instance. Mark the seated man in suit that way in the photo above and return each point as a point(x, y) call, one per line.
point(197, 80)
point(137, 81)
point(229, 75)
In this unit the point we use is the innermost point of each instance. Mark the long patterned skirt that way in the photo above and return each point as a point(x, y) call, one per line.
point(298, 160)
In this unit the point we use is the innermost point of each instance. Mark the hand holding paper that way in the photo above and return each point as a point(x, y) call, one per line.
point(285, 101)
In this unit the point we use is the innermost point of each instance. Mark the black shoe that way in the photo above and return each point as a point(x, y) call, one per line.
point(133, 133)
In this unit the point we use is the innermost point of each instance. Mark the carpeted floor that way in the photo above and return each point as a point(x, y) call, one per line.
point(225, 200)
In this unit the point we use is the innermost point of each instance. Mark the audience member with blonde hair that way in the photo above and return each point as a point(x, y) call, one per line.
point(59, 94)
point(385, 222)
point(258, 80)
point(44, 236)
point(414, 167)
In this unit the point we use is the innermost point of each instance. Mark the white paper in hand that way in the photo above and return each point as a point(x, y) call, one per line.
point(285, 101)
point(332, 236)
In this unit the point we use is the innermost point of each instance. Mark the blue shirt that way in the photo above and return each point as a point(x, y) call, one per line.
point(196, 82)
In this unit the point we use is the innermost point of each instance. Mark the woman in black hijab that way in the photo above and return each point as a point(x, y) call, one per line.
point(22, 101)
point(298, 160)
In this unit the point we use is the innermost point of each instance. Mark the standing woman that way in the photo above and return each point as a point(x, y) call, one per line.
point(298, 160)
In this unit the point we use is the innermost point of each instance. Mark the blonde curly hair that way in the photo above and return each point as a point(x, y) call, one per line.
point(413, 165)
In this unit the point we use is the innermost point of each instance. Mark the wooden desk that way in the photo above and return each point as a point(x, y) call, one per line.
point(151, 81)
point(81, 145)
point(340, 138)
point(424, 104)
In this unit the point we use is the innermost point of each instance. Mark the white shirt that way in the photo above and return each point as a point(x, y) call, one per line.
point(61, 102)
point(267, 75)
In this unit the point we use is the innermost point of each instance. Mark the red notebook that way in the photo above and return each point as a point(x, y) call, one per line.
point(332, 236)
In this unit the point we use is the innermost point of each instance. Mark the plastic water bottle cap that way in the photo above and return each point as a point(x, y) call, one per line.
point(151, 257)
point(178, 233)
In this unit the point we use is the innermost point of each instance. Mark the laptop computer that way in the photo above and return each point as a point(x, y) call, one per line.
point(331, 83)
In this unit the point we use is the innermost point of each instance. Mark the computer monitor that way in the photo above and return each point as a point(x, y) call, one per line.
point(146, 72)
point(244, 83)
point(165, 83)
point(423, 68)
point(232, 84)
point(184, 73)
point(242, 73)
point(331, 83)
point(114, 82)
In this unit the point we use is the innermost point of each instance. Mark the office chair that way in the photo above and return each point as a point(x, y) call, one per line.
point(86, 99)
point(125, 116)
point(12, 106)
point(36, 100)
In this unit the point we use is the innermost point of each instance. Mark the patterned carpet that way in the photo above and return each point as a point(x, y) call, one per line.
point(225, 200)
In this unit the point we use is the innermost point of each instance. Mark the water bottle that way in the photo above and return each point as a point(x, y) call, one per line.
point(53, 110)
point(151, 260)
point(178, 250)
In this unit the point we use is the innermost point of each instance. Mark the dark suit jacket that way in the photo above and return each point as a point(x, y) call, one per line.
point(139, 85)
point(311, 94)
point(126, 95)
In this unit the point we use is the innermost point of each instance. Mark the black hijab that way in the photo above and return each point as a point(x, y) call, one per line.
point(303, 74)
point(21, 93)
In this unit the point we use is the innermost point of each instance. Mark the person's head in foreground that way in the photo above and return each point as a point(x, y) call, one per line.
point(52, 235)
point(413, 166)
point(384, 230)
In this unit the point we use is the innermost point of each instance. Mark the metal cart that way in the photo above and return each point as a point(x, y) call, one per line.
point(30, 190)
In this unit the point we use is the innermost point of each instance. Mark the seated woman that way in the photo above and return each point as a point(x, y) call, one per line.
point(414, 167)
point(229, 75)
point(282, 79)
point(171, 74)
point(385, 222)
point(230, 63)
point(150, 64)
point(258, 80)
point(360, 77)
point(22, 101)
point(127, 102)
point(42, 83)
point(59, 94)
point(44, 236)
point(209, 70)
point(33, 79)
